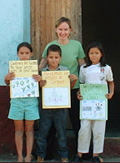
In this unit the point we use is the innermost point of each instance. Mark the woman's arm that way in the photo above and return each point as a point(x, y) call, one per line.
point(42, 64)
point(81, 61)
point(73, 80)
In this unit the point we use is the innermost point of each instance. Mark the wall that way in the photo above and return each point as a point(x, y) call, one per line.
point(44, 14)
point(14, 28)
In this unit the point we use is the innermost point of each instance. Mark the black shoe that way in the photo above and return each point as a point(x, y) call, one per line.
point(97, 159)
point(77, 159)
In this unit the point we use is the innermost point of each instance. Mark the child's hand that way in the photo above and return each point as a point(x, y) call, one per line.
point(42, 83)
point(10, 76)
point(73, 77)
point(38, 78)
point(109, 95)
point(73, 80)
point(79, 96)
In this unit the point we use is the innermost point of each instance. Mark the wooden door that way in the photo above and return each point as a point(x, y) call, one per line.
point(44, 13)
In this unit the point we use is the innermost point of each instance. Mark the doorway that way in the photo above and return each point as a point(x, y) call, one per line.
point(101, 22)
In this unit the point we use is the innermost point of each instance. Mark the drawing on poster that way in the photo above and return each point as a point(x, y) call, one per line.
point(24, 87)
point(56, 96)
point(56, 92)
point(93, 109)
point(94, 103)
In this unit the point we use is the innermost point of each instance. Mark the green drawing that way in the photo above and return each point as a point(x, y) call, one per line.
point(13, 86)
point(22, 82)
point(28, 85)
point(33, 92)
point(27, 81)
point(17, 83)
point(32, 84)
point(23, 89)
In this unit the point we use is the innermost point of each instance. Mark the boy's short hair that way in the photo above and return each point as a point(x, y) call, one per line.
point(54, 48)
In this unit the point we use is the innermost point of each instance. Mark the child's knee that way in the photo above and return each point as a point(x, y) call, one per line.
point(29, 133)
point(19, 133)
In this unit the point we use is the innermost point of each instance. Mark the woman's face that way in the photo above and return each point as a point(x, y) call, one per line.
point(63, 31)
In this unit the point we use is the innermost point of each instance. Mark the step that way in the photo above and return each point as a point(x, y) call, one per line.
point(111, 150)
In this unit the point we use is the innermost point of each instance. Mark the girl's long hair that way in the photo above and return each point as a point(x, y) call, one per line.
point(100, 47)
point(24, 44)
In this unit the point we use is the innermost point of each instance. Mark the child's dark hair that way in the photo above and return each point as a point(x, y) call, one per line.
point(26, 44)
point(98, 45)
point(54, 48)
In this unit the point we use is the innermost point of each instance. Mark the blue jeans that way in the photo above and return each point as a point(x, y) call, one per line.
point(58, 118)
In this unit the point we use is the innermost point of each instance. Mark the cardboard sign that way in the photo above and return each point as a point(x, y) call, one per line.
point(23, 85)
point(56, 92)
point(24, 68)
point(94, 104)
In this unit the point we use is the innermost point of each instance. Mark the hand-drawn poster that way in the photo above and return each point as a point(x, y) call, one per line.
point(56, 92)
point(23, 85)
point(94, 103)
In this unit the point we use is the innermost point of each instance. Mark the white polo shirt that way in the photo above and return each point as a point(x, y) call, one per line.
point(95, 74)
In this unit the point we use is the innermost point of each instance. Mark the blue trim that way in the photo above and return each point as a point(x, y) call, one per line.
point(26, 21)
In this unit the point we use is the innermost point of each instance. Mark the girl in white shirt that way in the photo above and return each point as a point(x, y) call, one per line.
point(95, 71)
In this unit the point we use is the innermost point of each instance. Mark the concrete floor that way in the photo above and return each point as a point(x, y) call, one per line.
point(13, 158)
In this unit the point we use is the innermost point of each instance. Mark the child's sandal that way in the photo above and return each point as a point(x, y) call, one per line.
point(97, 159)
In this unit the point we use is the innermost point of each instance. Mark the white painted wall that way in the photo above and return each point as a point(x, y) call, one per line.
point(14, 28)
